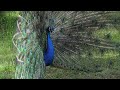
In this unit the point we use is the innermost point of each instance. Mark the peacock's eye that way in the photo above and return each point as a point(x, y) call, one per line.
point(50, 29)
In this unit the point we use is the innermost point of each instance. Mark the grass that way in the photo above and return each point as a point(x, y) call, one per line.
point(7, 54)
point(55, 73)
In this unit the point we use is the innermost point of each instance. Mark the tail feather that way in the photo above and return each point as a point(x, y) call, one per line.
point(74, 40)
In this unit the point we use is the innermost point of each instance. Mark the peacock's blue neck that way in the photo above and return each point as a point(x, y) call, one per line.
point(49, 53)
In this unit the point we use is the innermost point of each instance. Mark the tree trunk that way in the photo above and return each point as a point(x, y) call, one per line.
point(30, 43)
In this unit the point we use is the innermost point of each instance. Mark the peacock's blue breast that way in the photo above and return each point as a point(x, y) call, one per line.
point(49, 53)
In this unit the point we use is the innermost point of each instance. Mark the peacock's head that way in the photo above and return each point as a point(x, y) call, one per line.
point(50, 29)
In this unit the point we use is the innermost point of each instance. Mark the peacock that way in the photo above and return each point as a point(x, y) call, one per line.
point(49, 52)
point(76, 40)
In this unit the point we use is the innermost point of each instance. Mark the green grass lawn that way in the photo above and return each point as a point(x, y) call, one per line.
point(7, 54)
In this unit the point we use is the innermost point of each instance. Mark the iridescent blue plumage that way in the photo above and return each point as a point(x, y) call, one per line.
point(49, 53)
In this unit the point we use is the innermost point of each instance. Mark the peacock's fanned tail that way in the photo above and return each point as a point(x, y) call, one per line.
point(77, 44)
point(78, 40)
